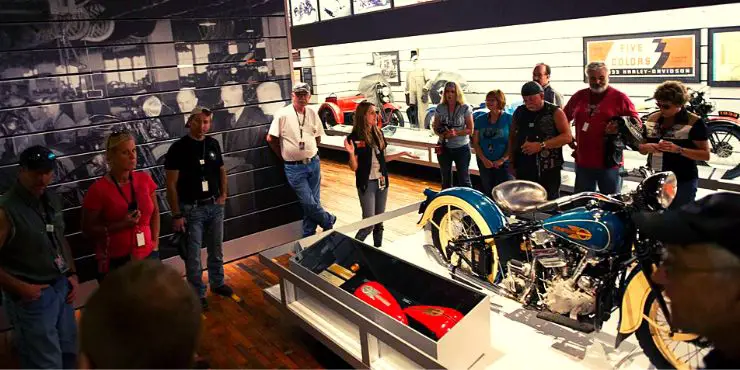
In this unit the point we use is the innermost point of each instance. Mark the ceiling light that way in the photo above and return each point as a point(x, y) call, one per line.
point(207, 24)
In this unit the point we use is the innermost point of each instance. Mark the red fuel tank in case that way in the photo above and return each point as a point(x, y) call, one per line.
point(379, 297)
point(437, 319)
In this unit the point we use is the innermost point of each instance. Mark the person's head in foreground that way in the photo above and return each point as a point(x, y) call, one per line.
point(143, 316)
point(700, 271)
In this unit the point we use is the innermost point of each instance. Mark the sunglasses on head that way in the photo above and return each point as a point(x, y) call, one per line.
point(42, 156)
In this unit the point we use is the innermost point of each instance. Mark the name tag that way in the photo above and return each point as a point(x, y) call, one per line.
point(381, 183)
point(140, 241)
point(49, 228)
point(531, 124)
point(302, 145)
point(585, 127)
point(60, 263)
point(204, 185)
point(360, 144)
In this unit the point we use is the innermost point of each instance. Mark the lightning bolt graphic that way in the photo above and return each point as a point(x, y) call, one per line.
point(660, 48)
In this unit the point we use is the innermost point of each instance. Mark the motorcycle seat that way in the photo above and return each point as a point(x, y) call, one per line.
point(519, 196)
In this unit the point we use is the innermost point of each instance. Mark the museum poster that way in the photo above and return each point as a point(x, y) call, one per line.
point(647, 57)
point(724, 57)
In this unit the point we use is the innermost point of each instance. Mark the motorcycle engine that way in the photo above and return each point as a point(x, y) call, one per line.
point(567, 299)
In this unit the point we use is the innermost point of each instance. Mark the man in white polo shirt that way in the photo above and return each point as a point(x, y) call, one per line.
point(294, 134)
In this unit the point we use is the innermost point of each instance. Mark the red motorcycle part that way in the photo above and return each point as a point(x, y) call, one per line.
point(376, 295)
point(435, 318)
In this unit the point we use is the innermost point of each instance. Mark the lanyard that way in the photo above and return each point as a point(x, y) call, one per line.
point(300, 123)
point(132, 205)
point(47, 219)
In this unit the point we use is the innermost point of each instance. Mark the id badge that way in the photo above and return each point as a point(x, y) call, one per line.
point(301, 145)
point(585, 127)
point(381, 183)
point(140, 240)
point(204, 185)
point(531, 124)
point(49, 228)
point(202, 162)
point(656, 161)
point(60, 263)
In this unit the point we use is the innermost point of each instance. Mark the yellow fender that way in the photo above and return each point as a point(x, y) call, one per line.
point(449, 200)
point(633, 303)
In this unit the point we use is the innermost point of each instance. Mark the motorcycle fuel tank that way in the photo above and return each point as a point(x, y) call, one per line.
point(595, 229)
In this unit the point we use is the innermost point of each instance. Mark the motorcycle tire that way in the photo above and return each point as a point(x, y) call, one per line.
point(395, 118)
point(443, 220)
point(658, 350)
point(327, 118)
point(720, 130)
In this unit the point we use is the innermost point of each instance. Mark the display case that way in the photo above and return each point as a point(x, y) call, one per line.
point(379, 311)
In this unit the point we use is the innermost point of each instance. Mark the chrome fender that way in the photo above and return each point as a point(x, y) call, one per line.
point(633, 304)
point(484, 212)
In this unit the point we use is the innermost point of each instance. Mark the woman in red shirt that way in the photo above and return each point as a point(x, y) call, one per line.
point(120, 211)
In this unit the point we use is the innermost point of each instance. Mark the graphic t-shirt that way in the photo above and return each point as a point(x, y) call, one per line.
point(104, 197)
point(455, 121)
point(686, 129)
point(591, 113)
point(493, 137)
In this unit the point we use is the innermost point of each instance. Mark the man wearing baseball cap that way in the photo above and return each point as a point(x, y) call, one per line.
point(294, 136)
point(37, 272)
point(538, 132)
point(700, 271)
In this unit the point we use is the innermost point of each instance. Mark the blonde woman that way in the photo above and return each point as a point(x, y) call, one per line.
point(453, 123)
point(366, 146)
point(120, 211)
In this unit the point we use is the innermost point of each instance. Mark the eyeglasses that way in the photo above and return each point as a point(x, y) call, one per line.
point(664, 106)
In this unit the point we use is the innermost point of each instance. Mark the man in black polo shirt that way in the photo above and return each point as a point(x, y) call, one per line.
point(37, 273)
point(196, 192)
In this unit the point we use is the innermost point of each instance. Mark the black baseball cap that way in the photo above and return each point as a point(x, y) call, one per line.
point(37, 158)
point(531, 88)
point(712, 219)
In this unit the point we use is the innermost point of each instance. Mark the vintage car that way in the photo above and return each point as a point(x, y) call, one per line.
point(373, 88)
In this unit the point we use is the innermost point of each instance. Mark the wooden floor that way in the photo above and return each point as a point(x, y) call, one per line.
point(252, 333)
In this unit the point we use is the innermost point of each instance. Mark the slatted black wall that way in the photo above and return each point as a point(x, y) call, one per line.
point(73, 71)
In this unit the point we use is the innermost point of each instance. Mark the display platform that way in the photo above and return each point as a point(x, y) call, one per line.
point(517, 340)
point(421, 143)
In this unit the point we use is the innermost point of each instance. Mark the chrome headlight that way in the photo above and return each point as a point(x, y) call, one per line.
point(659, 190)
point(385, 90)
point(386, 99)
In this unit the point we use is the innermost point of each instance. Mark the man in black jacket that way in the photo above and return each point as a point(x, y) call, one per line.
point(700, 271)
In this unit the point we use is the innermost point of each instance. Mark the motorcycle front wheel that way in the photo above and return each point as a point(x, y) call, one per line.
point(450, 223)
point(665, 350)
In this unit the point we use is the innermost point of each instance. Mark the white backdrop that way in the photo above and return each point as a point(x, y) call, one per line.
point(503, 58)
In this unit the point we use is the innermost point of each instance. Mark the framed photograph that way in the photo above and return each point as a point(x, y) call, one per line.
point(367, 6)
point(387, 62)
point(724, 57)
point(304, 12)
point(647, 57)
point(333, 9)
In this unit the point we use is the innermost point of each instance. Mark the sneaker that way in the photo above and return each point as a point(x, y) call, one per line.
point(204, 304)
point(223, 290)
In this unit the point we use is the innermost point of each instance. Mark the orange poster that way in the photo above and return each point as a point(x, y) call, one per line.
point(649, 57)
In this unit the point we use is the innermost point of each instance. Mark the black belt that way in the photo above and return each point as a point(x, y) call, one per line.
point(303, 161)
point(39, 282)
point(202, 202)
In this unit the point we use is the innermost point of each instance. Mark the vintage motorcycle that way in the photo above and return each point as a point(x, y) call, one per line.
point(575, 267)
point(724, 133)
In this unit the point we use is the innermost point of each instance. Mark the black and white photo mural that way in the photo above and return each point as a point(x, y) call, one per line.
point(73, 71)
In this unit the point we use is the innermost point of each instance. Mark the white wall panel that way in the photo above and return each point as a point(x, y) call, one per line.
point(502, 58)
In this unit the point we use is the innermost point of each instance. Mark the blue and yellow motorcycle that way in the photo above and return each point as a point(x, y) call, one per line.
point(575, 259)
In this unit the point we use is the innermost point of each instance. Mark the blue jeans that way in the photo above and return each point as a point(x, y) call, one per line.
point(608, 180)
point(490, 177)
point(685, 193)
point(461, 157)
point(305, 179)
point(202, 221)
point(45, 329)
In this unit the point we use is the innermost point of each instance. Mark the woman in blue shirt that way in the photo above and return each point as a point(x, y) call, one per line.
point(490, 141)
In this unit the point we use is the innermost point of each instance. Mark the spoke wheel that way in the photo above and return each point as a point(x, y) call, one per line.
point(680, 350)
point(450, 223)
point(724, 142)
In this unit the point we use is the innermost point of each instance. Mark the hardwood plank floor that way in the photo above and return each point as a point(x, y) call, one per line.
point(253, 333)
